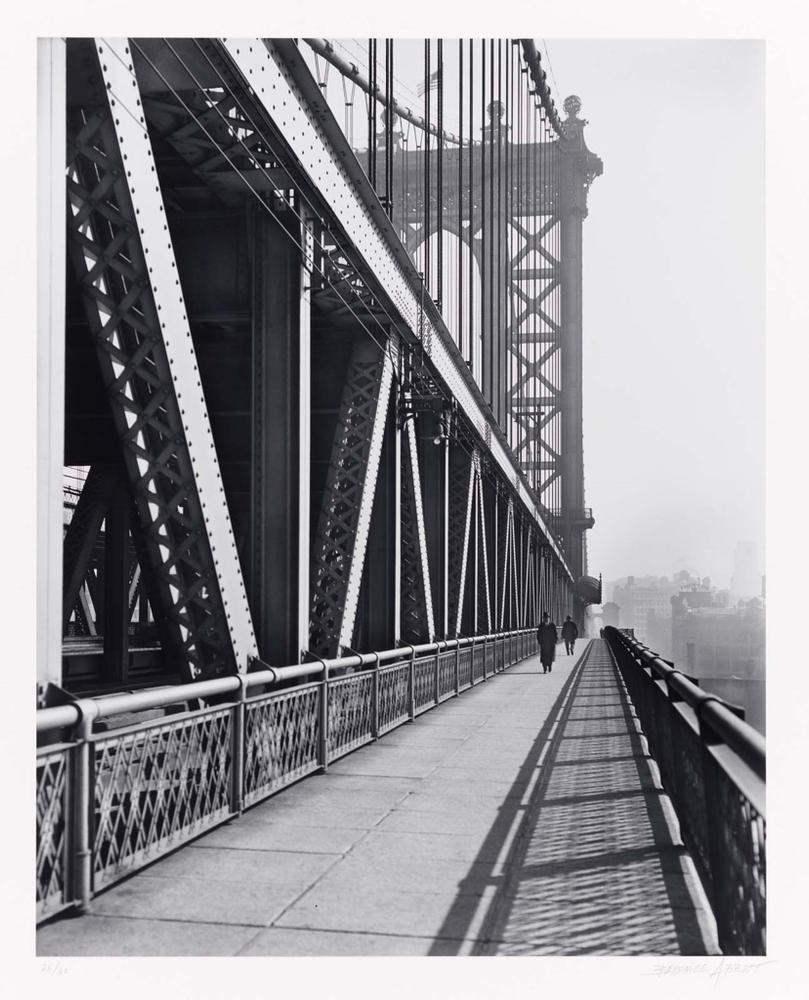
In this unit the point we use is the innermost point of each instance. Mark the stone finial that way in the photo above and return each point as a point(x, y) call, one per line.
point(572, 106)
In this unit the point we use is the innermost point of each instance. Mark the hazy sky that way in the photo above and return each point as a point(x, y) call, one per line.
point(673, 300)
point(673, 292)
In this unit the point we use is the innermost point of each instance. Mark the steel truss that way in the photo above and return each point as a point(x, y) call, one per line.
point(338, 549)
point(185, 555)
point(277, 79)
point(535, 338)
point(123, 257)
point(418, 622)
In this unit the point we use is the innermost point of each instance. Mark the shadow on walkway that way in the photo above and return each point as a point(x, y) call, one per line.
point(597, 867)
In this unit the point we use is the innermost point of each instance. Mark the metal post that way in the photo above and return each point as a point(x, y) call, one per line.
point(82, 804)
point(412, 683)
point(437, 672)
point(457, 668)
point(484, 656)
point(238, 749)
point(324, 718)
point(397, 535)
point(444, 562)
point(304, 429)
point(375, 709)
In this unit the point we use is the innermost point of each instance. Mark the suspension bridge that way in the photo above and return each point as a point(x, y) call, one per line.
point(311, 469)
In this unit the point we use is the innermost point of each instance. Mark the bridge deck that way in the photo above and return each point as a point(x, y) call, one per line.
point(522, 818)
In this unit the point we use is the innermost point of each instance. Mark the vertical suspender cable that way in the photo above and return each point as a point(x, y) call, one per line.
point(493, 235)
point(484, 290)
point(439, 177)
point(427, 219)
point(389, 119)
point(471, 292)
point(372, 111)
point(460, 199)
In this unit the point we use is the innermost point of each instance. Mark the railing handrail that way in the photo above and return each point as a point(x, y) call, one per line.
point(713, 711)
point(104, 706)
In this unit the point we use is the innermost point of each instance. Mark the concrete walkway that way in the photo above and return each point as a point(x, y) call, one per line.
point(521, 818)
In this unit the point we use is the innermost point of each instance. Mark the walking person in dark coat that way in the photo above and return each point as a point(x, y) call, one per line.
point(546, 637)
point(570, 633)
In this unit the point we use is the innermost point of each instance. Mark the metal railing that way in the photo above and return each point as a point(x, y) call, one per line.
point(713, 767)
point(110, 802)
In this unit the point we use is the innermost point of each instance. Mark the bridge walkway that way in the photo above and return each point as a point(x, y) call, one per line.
point(523, 819)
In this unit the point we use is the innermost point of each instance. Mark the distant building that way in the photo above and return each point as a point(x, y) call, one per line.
point(611, 614)
point(746, 581)
point(724, 648)
point(643, 599)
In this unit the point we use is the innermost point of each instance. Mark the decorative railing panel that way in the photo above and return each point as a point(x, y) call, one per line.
point(465, 669)
point(394, 696)
point(446, 675)
point(424, 683)
point(712, 765)
point(52, 879)
point(490, 661)
point(153, 786)
point(281, 740)
point(157, 787)
point(739, 884)
point(350, 713)
point(477, 664)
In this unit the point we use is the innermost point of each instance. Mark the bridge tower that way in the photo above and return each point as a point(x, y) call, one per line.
point(578, 168)
point(527, 248)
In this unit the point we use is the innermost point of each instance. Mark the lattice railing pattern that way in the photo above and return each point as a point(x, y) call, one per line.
point(720, 826)
point(741, 892)
point(687, 790)
point(350, 713)
point(51, 805)
point(465, 669)
point(477, 663)
point(424, 683)
point(414, 609)
point(109, 260)
point(334, 543)
point(155, 786)
point(446, 675)
point(394, 695)
point(158, 787)
point(281, 740)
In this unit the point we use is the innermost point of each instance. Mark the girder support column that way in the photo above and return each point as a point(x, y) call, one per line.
point(279, 586)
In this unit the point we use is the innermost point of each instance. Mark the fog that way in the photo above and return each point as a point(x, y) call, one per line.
point(673, 300)
point(673, 289)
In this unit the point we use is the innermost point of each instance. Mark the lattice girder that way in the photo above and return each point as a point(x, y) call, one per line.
point(134, 352)
point(414, 623)
point(338, 549)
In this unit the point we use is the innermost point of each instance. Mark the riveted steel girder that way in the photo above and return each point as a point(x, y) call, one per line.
point(272, 80)
point(338, 550)
point(122, 254)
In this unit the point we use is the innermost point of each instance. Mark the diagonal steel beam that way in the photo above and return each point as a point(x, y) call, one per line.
point(279, 80)
point(420, 531)
point(123, 254)
point(341, 538)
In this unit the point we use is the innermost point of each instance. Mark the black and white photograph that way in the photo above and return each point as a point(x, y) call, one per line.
point(402, 450)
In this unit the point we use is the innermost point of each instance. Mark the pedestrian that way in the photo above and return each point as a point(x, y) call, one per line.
point(570, 633)
point(547, 639)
